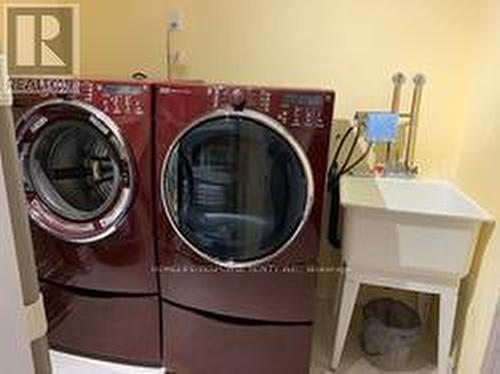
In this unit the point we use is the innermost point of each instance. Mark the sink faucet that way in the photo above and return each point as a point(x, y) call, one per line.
point(391, 129)
point(399, 80)
point(418, 81)
point(408, 166)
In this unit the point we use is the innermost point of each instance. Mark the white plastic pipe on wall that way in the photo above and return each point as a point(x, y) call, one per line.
point(22, 318)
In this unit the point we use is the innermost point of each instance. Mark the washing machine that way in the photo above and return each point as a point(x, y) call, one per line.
point(87, 155)
point(240, 175)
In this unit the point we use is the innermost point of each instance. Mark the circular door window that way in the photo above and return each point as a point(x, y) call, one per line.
point(77, 168)
point(237, 188)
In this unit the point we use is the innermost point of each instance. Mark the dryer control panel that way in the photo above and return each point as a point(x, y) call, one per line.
point(292, 108)
point(298, 109)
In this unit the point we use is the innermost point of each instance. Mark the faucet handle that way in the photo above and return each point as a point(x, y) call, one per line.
point(419, 79)
point(399, 79)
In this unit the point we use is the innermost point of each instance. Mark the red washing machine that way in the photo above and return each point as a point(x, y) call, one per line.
point(87, 154)
point(241, 178)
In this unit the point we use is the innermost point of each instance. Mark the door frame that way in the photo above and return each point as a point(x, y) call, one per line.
point(15, 346)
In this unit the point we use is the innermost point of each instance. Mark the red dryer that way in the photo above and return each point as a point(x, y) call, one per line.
point(86, 151)
point(241, 176)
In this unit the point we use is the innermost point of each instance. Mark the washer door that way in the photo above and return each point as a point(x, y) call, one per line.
point(237, 188)
point(78, 170)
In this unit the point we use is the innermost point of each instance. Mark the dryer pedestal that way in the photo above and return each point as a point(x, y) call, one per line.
point(198, 342)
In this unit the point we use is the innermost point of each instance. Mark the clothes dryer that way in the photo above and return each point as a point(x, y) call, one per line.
point(240, 178)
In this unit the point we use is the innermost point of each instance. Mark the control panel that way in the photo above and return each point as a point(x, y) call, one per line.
point(225, 96)
point(114, 99)
point(292, 108)
point(298, 109)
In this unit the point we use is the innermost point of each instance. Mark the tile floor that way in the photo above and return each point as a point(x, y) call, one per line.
point(352, 361)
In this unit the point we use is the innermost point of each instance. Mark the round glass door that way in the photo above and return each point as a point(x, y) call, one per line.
point(77, 170)
point(237, 188)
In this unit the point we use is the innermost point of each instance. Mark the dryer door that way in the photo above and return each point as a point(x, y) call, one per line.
point(78, 170)
point(237, 188)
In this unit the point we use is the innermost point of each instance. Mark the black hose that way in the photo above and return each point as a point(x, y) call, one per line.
point(341, 144)
point(335, 221)
point(335, 226)
point(349, 154)
point(358, 161)
point(334, 174)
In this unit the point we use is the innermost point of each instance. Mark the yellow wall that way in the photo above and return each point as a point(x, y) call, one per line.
point(353, 46)
point(478, 174)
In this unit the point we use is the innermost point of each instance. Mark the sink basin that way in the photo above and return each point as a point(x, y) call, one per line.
point(419, 227)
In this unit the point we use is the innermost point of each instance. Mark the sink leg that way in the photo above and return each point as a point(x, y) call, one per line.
point(350, 290)
point(447, 310)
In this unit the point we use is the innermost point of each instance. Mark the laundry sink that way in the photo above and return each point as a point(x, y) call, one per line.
point(410, 226)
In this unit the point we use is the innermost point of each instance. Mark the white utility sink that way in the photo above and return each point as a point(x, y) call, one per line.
point(415, 227)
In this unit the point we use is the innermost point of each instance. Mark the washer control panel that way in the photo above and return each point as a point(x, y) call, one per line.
point(113, 98)
point(292, 108)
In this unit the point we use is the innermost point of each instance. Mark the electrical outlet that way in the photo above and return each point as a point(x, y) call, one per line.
point(175, 21)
